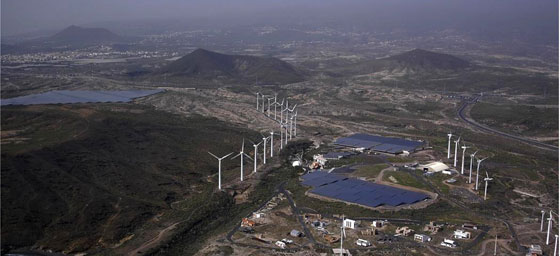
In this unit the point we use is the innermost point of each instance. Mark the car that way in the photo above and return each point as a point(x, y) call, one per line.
point(362, 242)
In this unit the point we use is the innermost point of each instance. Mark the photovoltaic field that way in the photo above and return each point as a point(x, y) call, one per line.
point(359, 191)
point(379, 143)
point(67, 97)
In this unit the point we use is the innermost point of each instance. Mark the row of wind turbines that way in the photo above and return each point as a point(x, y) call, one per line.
point(285, 134)
point(473, 156)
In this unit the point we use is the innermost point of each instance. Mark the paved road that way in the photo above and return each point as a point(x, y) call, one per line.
point(461, 114)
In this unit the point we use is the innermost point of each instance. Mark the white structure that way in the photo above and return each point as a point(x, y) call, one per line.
point(549, 227)
point(255, 159)
point(542, 219)
point(449, 135)
point(448, 243)
point(240, 155)
point(555, 244)
point(464, 147)
point(486, 184)
point(461, 234)
point(378, 223)
point(470, 169)
point(271, 143)
point(281, 244)
point(455, 156)
point(435, 167)
point(348, 223)
point(220, 168)
point(296, 163)
point(362, 242)
point(478, 161)
point(446, 172)
point(422, 238)
point(264, 149)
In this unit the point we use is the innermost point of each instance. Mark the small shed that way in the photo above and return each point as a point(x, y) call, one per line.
point(296, 233)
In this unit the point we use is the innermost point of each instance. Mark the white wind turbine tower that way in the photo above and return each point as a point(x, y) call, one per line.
point(220, 168)
point(255, 156)
point(449, 135)
point(264, 148)
point(470, 169)
point(342, 234)
point(269, 99)
point(542, 219)
point(555, 244)
point(240, 155)
point(258, 100)
point(281, 135)
point(281, 114)
point(455, 156)
point(295, 124)
point(464, 147)
point(486, 184)
point(263, 103)
point(275, 104)
point(271, 143)
point(478, 161)
point(549, 227)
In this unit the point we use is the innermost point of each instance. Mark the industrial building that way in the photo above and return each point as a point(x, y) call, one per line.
point(382, 144)
point(434, 167)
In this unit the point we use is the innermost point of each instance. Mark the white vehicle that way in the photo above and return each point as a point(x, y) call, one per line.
point(362, 242)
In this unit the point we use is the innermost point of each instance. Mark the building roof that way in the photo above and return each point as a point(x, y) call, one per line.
point(436, 167)
point(336, 155)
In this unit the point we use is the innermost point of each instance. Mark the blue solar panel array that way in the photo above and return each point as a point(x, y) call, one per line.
point(359, 191)
point(379, 143)
point(66, 97)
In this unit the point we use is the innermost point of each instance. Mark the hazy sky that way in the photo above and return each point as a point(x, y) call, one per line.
point(515, 16)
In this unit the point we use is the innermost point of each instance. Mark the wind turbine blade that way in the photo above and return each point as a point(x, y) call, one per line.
point(487, 175)
point(248, 156)
point(236, 156)
point(213, 155)
point(227, 155)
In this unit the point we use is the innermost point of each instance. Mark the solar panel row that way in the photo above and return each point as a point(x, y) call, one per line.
point(359, 191)
point(378, 143)
point(67, 97)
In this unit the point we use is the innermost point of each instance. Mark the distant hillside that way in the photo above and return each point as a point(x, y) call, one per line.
point(75, 34)
point(419, 58)
point(204, 64)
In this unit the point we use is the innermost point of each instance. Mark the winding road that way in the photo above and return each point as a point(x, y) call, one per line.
point(461, 114)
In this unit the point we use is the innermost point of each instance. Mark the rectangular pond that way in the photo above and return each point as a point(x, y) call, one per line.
point(68, 97)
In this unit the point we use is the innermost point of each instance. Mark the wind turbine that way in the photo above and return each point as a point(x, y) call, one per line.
point(478, 161)
point(271, 143)
point(455, 156)
point(255, 156)
point(549, 227)
point(291, 125)
point(258, 100)
point(542, 219)
point(555, 244)
point(464, 147)
point(220, 168)
point(275, 104)
point(496, 245)
point(470, 170)
point(295, 124)
point(486, 184)
point(263, 103)
point(342, 234)
point(269, 105)
point(240, 155)
point(264, 148)
point(281, 135)
point(449, 135)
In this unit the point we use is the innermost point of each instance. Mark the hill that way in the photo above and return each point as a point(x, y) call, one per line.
point(204, 64)
point(80, 178)
point(75, 34)
point(422, 59)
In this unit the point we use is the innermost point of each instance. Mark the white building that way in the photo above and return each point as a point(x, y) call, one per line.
point(378, 223)
point(363, 242)
point(448, 243)
point(422, 238)
point(461, 234)
point(281, 244)
point(434, 167)
point(348, 223)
